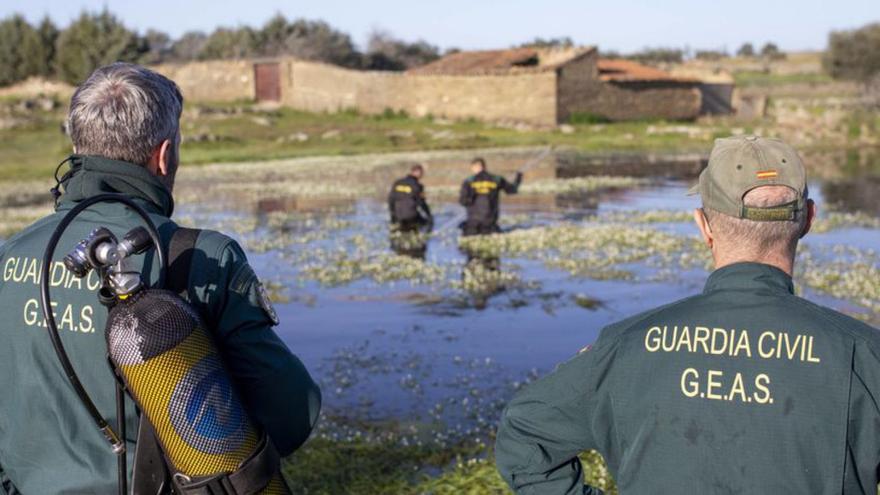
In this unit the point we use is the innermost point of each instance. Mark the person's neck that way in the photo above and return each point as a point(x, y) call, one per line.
point(783, 262)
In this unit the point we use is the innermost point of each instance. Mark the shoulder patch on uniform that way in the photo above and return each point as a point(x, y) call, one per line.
point(242, 279)
point(585, 349)
point(266, 303)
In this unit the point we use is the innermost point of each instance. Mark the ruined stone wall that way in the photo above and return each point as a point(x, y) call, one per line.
point(522, 98)
point(317, 87)
point(539, 98)
point(215, 80)
point(577, 82)
point(527, 98)
point(633, 101)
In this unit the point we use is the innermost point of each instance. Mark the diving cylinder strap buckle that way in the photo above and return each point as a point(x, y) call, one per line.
point(254, 475)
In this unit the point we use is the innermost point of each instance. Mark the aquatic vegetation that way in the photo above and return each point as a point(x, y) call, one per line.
point(387, 466)
point(277, 291)
point(362, 467)
point(850, 274)
point(514, 219)
point(485, 277)
point(301, 188)
point(561, 185)
point(285, 220)
point(581, 184)
point(408, 240)
point(584, 250)
point(480, 474)
point(464, 477)
point(339, 267)
point(647, 216)
point(826, 222)
point(586, 302)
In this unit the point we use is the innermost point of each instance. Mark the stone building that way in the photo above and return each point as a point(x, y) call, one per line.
point(542, 87)
point(632, 91)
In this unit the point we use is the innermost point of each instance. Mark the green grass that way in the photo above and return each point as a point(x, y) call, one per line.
point(33, 151)
point(241, 132)
point(325, 467)
point(766, 79)
point(228, 135)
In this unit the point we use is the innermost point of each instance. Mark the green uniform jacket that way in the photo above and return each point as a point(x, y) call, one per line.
point(48, 443)
point(744, 388)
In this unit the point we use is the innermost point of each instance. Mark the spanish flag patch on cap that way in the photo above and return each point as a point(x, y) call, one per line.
point(767, 174)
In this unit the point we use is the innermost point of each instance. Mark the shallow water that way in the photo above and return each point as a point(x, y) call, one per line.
point(422, 349)
point(435, 348)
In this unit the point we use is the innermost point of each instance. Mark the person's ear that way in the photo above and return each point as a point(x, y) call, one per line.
point(703, 224)
point(811, 215)
point(164, 162)
point(159, 161)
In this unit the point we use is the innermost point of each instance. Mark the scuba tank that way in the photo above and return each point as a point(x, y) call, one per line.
point(173, 371)
point(165, 358)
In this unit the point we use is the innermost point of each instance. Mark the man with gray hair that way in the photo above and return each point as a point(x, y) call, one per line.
point(745, 388)
point(124, 124)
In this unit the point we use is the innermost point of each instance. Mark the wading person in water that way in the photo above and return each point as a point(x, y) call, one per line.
point(744, 388)
point(406, 203)
point(410, 215)
point(480, 195)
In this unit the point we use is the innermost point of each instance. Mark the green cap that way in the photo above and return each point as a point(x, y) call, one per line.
point(739, 164)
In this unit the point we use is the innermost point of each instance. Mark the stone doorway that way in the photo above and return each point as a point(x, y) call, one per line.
point(267, 80)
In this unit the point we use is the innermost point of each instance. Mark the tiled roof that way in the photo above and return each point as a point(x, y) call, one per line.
point(515, 60)
point(621, 70)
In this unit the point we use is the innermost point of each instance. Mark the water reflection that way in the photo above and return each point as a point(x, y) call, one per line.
point(854, 195)
point(409, 239)
point(480, 277)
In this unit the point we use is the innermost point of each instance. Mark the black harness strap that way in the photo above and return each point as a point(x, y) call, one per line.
point(150, 473)
point(180, 256)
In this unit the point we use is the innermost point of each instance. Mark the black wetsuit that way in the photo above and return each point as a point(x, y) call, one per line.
point(407, 206)
point(479, 194)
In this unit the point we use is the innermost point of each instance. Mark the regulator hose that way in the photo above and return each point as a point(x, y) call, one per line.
point(117, 442)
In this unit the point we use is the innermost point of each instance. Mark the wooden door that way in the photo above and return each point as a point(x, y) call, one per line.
point(267, 78)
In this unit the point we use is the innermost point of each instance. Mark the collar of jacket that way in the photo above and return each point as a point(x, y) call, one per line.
point(751, 277)
point(93, 175)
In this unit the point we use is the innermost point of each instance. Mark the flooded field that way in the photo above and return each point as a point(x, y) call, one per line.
point(439, 333)
point(423, 344)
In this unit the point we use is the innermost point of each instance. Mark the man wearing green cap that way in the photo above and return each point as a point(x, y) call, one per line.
point(744, 388)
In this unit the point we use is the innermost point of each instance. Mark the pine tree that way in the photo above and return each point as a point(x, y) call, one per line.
point(94, 40)
point(20, 50)
point(48, 38)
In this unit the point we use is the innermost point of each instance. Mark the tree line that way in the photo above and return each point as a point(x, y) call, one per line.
point(95, 39)
point(769, 51)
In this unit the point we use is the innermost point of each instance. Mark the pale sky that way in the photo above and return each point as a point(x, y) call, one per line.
point(623, 25)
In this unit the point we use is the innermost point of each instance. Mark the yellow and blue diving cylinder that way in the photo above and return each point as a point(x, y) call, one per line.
point(175, 374)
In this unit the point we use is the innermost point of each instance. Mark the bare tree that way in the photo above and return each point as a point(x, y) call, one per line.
point(385, 52)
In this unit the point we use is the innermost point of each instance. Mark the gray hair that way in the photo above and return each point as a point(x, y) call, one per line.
point(123, 112)
point(754, 239)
